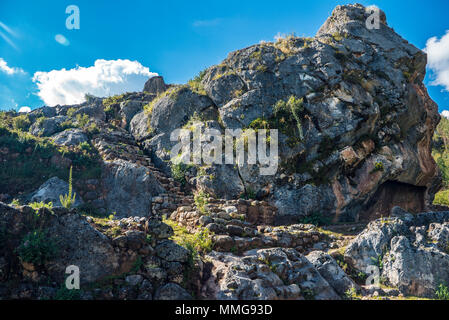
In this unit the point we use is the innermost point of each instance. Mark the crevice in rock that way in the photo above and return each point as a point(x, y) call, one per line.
point(391, 194)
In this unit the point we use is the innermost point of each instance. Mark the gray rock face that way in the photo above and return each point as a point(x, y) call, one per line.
point(172, 291)
point(128, 109)
point(170, 251)
point(51, 190)
point(70, 137)
point(155, 85)
point(365, 140)
point(129, 188)
point(95, 111)
point(139, 126)
point(331, 272)
point(412, 249)
point(78, 243)
point(266, 274)
point(47, 126)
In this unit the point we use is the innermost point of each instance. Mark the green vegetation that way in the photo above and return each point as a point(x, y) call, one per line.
point(286, 118)
point(201, 201)
point(65, 294)
point(37, 248)
point(108, 102)
point(379, 166)
point(68, 200)
point(196, 85)
point(317, 219)
point(21, 123)
point(38, 205)
point(442, 292)
point(179, 170)
point(440, 153)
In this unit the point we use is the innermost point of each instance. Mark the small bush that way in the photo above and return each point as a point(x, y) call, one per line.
point(201, 201)
point(179, 170)
point(37, 248)
point(38, 205)
point(442, 292)
point(317, 219)
point(65, 294)
point(21, 122)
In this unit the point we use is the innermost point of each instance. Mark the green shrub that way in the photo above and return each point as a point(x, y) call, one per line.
point(379, 166)
point(21, 122)
point(65, 294)
point(201, 201)
point(196, 85)
point(37, 248)
point(68, 200)
point(179, 170)
point(442, 198)
point(317, 219)
point(38, 205)
point(442, 292)
point(82, 120)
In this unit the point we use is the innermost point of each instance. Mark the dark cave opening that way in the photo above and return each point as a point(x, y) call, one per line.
point(391, 194)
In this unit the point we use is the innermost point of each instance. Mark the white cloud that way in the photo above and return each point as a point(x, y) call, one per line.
point(24, 109)
point(445, 114)
point(438, 59)
point(105, 78)
point(8, 70)
point(62, 40)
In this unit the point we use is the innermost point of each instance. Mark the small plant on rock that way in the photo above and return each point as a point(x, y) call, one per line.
point(442, 292)
point(37, 248)
point(68, 200)
point(201, 201)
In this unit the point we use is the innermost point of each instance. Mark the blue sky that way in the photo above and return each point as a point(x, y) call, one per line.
point(175, 39)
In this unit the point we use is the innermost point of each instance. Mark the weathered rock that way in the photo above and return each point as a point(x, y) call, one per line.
point(331, 272)
point(412, 252)
point(130, 188)
point(70, 137)
point(155, 85)
point(172, 291)
point(266, 274)
point(128, 109)
point(139, 126)
point(51, 190)
point(47, 126)
point(172, 252)
point(78, 243)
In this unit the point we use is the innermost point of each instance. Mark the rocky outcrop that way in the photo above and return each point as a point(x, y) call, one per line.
point(410, 251)
point(268, 274)
point(155, 85)
point(70, 138)
point(51, 190)
point(133, 256)
point(360, 135)
point(129, 189)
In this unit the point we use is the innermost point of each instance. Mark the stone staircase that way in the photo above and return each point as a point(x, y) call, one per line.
point(119, 145)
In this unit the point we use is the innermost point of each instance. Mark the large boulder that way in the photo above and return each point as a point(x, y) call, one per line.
point(331, 272)
point(128, 109)
point(363, 144)
point(47, 126)
point(129, 188)
point(410, 252)
point(70, 137)
point(51, 190)
point(155, 85)
point(276, 273)
point(77, 243)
